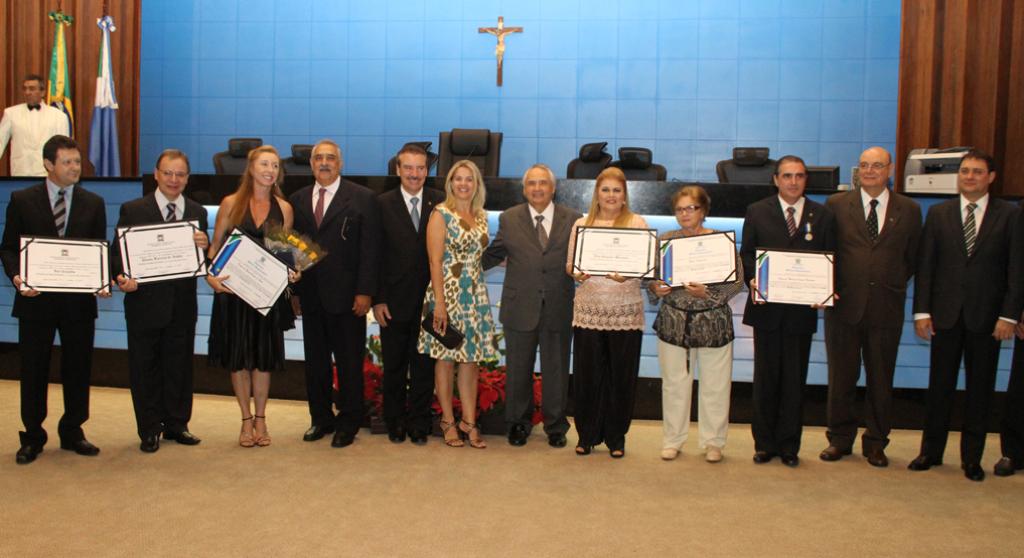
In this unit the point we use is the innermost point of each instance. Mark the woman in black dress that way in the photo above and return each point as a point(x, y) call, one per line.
point(242, 340)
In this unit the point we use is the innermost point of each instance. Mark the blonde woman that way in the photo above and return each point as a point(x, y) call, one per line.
point(457, 296)
point(608, 323)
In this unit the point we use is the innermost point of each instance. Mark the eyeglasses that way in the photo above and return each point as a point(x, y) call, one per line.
point(873, 166)
point(169, 174)
point(688, 209)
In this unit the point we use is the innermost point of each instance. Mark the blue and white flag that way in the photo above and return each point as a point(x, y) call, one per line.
point(103, 149)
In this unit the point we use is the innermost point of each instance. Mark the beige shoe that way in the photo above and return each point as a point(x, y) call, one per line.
point(668, 454)
point(713, 454)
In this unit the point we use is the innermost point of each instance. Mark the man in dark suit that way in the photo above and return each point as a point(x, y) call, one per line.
point(877, 234)
point(536, 305)
point(1011, 427)
point(404, 274)
point(335, 295)
point(967, 299)
point(782, 332)
point(56, 208)
point(161, 316)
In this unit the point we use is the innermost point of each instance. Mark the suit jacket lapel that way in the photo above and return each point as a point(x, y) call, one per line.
point(42, 201)
point(339, 201)
point(398, 204)
point(893, 213)
point(305, 206)
point(857, 214)
point(987, 224)
point(529, 229)
point(153, 214)
point(426, 207)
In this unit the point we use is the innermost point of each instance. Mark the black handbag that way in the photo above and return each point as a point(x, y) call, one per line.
point(452, 337)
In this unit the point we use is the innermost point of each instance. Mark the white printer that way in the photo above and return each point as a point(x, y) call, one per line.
point(933, 171)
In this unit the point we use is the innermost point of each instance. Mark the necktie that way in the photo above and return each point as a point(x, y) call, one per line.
point(33, 107)
point(318, 211)
point(171, 216)
point(59, 212)
point(969, 233)
point(873, 221)
point(542, 235)
point(791, 221)
point(415, 213)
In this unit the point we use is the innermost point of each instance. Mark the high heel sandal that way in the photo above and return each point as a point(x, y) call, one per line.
point(583, 450)
point(455, 442)
point(264, 440)
point(477, 442)
point(245, 439)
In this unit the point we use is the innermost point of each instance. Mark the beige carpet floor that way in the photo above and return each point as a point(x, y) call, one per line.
point(380, 499)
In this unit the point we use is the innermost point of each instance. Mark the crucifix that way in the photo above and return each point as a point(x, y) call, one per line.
point(500, 31)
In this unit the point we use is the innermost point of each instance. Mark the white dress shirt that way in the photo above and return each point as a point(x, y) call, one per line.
point(179, 205)
point(883, 204)
point(548, 213)
point(332, 189)
point(799, 206)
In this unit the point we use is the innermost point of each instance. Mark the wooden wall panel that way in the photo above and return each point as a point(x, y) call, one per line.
point(960, 81)
point(27, 44)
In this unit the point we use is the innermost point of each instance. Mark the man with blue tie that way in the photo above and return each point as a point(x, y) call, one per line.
point(404, 275)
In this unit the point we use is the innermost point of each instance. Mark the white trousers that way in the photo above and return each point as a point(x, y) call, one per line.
point(714, 365)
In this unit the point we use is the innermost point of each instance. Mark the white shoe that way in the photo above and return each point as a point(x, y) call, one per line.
point(713, 454)
point(668, 454)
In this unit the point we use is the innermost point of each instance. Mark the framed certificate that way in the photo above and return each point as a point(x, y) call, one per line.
point(58, 265)
point(607, 250)
point(161, 252)
point(254, 274)
point(795, 277)
point(706, 258)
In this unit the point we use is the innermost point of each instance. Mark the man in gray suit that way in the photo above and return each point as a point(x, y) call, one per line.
point(536, 304)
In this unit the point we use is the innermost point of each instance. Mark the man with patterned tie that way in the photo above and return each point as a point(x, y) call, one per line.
point(877, 233)
point(782, 332)
point(334, 296)
point(536, 305)
point(404, 274)
point(58, 207)
point(968, 296)
point(161, 316)
point(27, 127)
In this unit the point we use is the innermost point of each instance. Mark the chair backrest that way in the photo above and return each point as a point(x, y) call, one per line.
point(636, 163)
point(481, 146)
point(234, 160)
point(749, 165)
point(431, 157)
point(592, 160)
point(298, 163)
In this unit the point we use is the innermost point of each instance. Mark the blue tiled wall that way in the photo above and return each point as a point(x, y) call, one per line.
point(689, 79)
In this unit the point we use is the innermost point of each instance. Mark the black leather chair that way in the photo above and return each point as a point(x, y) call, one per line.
point(592, 160)
point(431, 157)
point(749, 165)
point(483, 147)
point(298, 163)
point(636, 163)
point(234, 160)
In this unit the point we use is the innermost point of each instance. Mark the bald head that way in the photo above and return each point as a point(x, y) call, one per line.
point(874, 170)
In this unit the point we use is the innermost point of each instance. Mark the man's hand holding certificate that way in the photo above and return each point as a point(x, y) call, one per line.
point(250, 271)
point(609, 251)
point(794, 277)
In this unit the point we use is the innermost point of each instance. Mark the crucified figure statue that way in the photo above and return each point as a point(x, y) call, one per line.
point(500, 31)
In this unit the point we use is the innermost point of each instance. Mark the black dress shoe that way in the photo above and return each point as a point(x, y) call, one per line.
point(342, 439)
point(922, 463)
point(184, 437)
point(150, 444)
point(27, 454)
point(761, 457)
point(1006, 467)
point(517, 435)
point(556, 440)
point(396, 434)
point(877, 458)
point(316, 432)
point(81, 447)
point(973, 471)
point(418, 437)
point(833, 453)
point(790, 460)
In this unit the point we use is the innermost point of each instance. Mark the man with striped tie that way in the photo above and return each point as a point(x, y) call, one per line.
point(161, 316)
point(967, 299)
point(58, 207)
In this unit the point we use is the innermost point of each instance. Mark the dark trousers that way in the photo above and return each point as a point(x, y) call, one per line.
point(780, 373)
point(408, 376)
point(521, 354)
point(343, 337)
point(605, 368)
point(848, 346)
point(160, 372)
point(1011, 428)
point(980, 354)
point(35, 346)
